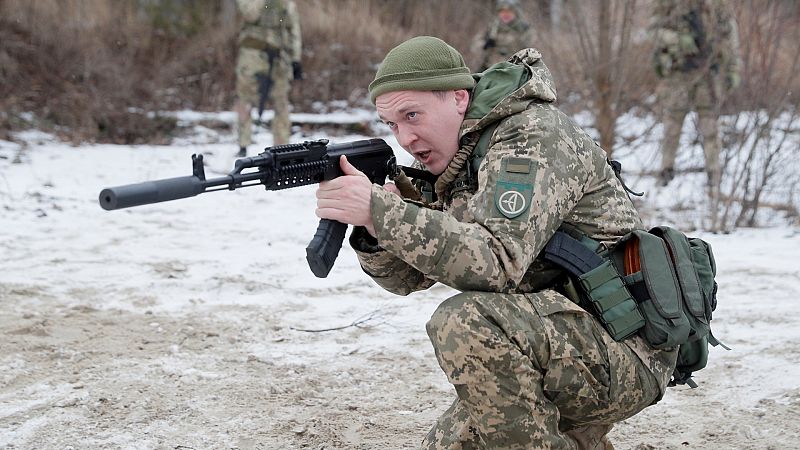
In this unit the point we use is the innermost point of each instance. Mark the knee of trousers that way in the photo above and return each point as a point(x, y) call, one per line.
point(452, 315)
point(461, 338)
point(473, 332)
point(464, 314)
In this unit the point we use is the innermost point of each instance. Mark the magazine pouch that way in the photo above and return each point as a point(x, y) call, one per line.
point(610, 301)
point(695, 268)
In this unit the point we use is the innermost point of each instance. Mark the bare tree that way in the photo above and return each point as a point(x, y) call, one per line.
point(550, 10)
point(607, 59)
point(761, 154)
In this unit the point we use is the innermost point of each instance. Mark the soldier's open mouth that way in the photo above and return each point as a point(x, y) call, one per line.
point(423, 156)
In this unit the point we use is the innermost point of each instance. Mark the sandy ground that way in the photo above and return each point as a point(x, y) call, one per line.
point(159, 328)
point(85, 378)
point(80, 377)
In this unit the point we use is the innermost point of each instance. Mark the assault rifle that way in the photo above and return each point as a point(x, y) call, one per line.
point(276, 168)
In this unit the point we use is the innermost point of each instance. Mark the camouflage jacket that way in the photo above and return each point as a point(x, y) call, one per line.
point(541, 169)
point(273, 25)
point(695, 35)
point(479, 241)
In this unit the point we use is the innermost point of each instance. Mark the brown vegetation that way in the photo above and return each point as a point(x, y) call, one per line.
point(756, 154)
point(92, 69)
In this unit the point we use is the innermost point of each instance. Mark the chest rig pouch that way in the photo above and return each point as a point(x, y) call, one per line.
point(268, 31)
point(658, 283)
point(647, 270)
point(594, 282)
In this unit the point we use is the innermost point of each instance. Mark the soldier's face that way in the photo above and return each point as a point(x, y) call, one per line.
point(506, 15)
point(426, 124)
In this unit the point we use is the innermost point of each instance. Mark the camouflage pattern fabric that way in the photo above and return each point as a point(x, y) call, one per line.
point(696, 35)
point(508, 38)
point(268, 26)
point(528, 369)
point(680, 94)
point(249, 63)
point(697, 55)
point(540, 170)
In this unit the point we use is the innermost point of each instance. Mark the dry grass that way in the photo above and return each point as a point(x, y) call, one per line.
point(86, 66)
point(83, 66)
point(344, 41)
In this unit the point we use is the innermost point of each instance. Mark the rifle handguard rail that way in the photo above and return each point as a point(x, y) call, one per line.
point(276, 168)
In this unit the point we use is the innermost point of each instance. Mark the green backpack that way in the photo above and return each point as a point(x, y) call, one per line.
point(658, 283)
point(691, 265)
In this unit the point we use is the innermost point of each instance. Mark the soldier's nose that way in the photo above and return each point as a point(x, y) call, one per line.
point(405, 137)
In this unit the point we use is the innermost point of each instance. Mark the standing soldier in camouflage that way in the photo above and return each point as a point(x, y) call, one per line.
point(531, 368)
point(696, 55)
point(508, 32)
point(269, 55)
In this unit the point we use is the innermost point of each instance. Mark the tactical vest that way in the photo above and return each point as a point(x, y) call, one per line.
point(269, 32)
point(659, 284)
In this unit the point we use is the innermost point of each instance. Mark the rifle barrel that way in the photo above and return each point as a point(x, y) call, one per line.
point(150, 192)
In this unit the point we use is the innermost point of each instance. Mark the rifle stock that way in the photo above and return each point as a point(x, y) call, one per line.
point(265, 82)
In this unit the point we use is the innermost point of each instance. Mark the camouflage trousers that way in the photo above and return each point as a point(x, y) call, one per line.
point(532, 371)
point(680, 94)
point(249, 63)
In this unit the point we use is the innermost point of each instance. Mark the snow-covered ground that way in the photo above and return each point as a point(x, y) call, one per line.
point(197, 323)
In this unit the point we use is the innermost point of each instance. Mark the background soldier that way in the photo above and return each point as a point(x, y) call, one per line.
point(269, 53)
point(508, 32)
point(697, 56)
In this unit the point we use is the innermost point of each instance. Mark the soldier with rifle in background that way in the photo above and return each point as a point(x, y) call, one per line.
point(269, 54)
point(507, 33)
point(696, 55)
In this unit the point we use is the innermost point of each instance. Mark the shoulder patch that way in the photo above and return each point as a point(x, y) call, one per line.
point(514, 189)
point(518, 165)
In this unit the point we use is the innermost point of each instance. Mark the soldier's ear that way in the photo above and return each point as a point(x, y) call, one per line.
point(461, 97)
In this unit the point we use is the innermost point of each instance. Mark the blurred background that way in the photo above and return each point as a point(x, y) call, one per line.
point(103, 71)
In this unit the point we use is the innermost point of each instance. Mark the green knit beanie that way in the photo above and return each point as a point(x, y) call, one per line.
point(423, 63)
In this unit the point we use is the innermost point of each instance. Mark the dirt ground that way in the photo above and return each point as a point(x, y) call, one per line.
point(182, 327)
point(79, 377)
point(111, 379)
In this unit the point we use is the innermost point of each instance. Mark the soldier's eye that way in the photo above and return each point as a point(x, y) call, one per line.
point(411, 115)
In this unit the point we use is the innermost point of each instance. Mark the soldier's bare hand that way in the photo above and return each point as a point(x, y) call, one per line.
point(347, 198)
point(391, 187)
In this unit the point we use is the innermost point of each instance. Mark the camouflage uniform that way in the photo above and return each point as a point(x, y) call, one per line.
point(502, 40)
point(269, 43)
point(531, 369)
point(697, 56)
